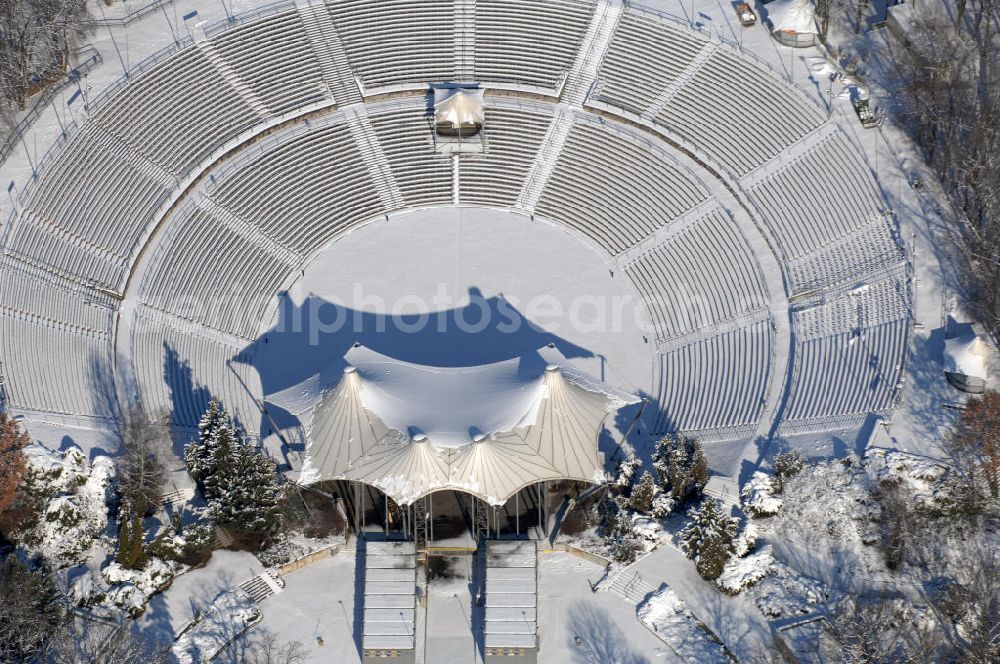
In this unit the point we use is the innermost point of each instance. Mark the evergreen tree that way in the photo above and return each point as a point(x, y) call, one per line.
point(626, 474)
point(199, 454)
point(643, 494)
point(709, 539)
point(131, 538)
point(680, 466)
point(243, 491)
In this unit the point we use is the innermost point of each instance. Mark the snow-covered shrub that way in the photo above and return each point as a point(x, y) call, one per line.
point(788, 464)
point(709, 539)
point(746, 541)
point(663, 505)
point(786, 593)
point(741, 573)
point(620, 537)
point(129, 589)
point(758, 496)
point(191, 545)
point(625, 475)
point(681, 466)
point(643, 494)
point(70, 504)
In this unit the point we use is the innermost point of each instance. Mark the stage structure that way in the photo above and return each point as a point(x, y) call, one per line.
point(413, 443)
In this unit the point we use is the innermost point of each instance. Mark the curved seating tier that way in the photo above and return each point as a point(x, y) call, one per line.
point(716, 382)
point(806, 210)
point(849, 352)
point(529, 42)
point(178, 371)
point(392, 42)
point(645, 57)
point(513, 136)
point(283, 83)
point(55, 344)
point(423, 176)
point(621, 198)
point(232, 295)
point(303, 188)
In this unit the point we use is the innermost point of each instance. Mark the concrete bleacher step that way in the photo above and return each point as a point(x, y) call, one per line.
point(511, 573)
point(510, 613)
point(390, 587)
point(389, 574)
point(511, 600)
point(388, 642)
point(389, 549)
point(390, 615)
point(389, 602)
point(506, 586)
point(398, 628)
point(525, 626)
point(510, 640)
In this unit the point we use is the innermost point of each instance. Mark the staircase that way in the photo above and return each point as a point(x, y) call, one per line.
point(595, 44)
point(465, 40)
point(237, 83)
point(330, 53)
point(675, 85)
point(390, 599)
point(375, 159)
point(545, 162)
point(248, 231)
point(511, 597)
point(261, 586)
point(631, 586)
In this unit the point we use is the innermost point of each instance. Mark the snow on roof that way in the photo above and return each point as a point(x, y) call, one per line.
point(458, 107)
point(489, 430)
point(967, 356)
point(797, 16)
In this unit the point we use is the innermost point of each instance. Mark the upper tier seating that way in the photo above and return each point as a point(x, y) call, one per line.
point(703, 275)
point(620, 198)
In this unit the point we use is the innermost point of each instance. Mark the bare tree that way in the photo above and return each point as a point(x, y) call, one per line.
point(145, 443)
point(864, 630)
point(30, 614)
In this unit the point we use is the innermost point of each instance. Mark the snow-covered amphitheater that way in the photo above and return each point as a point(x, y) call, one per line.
point(711, 237)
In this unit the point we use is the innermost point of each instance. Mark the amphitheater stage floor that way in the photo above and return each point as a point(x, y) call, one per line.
point(459, 286)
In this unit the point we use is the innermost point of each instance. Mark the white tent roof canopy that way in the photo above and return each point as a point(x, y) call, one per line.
point(967, 356)
point(798, 16)
point(488, 430)
point(459, 107)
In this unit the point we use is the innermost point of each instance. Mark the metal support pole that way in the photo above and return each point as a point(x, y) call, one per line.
point(430, 512)
point(517, 514)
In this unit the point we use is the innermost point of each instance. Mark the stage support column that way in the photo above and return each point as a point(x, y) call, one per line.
point(430, 512)
point(541, 522)
point(517, 514)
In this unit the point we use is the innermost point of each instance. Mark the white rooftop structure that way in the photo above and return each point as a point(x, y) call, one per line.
point(489, 430)
point(793, 22)
point(458, 109)
point(968, 359)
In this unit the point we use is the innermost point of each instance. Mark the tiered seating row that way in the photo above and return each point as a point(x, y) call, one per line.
point(179, 371)
point(275, 58)
point(645, 56)
point(823, 195)
point(513, 137)
point(621, 197)
point(424, 176)
point(704, 275)
point(865, 251)
point(232, 294)
point(392, 42)
point(716, 382)
point(738, 113)
point(529, 42)
point(304, 189)
point(54, 344)
point(849, 352)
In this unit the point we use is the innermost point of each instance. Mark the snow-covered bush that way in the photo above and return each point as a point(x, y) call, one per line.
point(70, 498)
point(129, 589)
point(758, 496)
point(788, 464)
point(663, 505)
point(746, 541)
point(625, 475)
point(643, 494)
point(709, 539)
point(620, 537)
point(681, 466)
point(191, 545)
point(741, 573)
point(784, 592)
